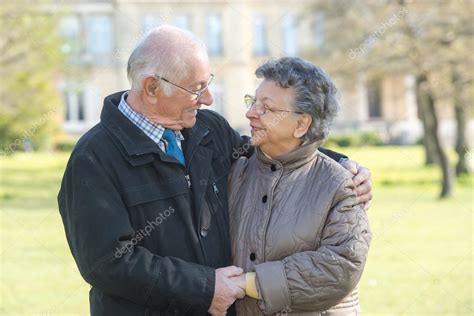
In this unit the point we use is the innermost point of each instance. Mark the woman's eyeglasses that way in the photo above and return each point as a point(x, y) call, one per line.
point(260, 108)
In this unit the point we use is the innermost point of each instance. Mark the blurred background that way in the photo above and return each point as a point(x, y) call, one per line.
point(404, 70)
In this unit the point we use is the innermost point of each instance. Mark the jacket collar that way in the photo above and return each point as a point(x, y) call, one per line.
point(132, 139)
point(195, 136)
point(135, 142)
point(292, 160)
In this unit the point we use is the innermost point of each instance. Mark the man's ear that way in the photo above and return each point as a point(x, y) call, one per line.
point(302, 125)
point(151, 86)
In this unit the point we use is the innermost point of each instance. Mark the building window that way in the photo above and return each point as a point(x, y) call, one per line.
point(214, 34)
point(81, 117)
point(99, 35)
point(67, 108)
point(289, 35)
point(182, 21)
point(260, 45)
point(318, 31)
point(150, 22)
point(70, 32)
point(74, 106)
point(218, 93)
point(374, 95)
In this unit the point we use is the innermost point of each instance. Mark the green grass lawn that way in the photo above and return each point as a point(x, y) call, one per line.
point(420, 263)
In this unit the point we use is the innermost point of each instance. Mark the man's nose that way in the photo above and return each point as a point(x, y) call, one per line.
point(206, 98)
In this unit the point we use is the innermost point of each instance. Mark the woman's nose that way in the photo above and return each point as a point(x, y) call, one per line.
point(252, 112)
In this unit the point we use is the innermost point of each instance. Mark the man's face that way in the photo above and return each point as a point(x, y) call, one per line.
point(180, 108)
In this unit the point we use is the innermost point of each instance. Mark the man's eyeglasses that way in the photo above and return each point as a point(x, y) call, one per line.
point(261, 108)
point(197, 93)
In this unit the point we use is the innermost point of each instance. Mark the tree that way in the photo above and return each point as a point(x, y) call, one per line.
point(425, 39)
point(30, 57)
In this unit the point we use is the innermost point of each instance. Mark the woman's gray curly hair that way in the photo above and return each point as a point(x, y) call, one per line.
point(315, 92)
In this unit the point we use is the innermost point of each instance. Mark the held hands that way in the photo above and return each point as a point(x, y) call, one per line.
point(228, 288)
point(362, 182)
point(240, 281)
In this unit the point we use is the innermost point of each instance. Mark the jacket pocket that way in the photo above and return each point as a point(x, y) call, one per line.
point(155, 191)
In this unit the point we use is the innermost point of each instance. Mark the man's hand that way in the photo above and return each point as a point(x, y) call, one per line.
point(240, 280)
point(362, 182)
point(226, 291)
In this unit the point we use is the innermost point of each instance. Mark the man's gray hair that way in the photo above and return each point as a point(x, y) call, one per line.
point(315, 92)
point(165, 51)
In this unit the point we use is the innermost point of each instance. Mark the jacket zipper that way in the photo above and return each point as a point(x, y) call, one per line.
point(270, 201)
point(216, 190)
point(188, 179)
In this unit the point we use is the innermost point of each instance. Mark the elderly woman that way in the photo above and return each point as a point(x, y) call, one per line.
point(295, 224)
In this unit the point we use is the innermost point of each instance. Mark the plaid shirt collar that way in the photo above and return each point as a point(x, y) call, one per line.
point(152, 130)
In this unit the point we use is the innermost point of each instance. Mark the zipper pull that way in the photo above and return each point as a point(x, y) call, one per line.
point(189, 180)
point(216, 190)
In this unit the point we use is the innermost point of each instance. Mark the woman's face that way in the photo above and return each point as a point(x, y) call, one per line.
point(273, 131)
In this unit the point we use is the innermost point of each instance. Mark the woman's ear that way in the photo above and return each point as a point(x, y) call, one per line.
point(302, 125)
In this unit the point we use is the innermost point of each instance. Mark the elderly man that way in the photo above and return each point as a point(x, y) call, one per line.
point(144, 197)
